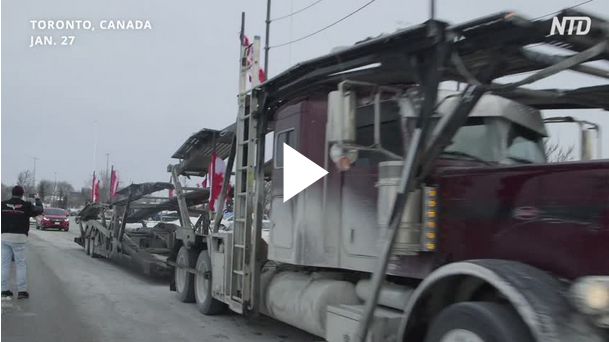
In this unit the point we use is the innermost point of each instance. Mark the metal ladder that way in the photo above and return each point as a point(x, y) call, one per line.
point(243, 264)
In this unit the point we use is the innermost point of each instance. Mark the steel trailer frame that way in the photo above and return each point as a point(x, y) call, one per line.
point(108, 238)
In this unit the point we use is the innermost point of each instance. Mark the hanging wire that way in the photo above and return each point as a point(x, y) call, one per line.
point(298, 11)
point(574, 6)
point(555, 12)
point(325, 27)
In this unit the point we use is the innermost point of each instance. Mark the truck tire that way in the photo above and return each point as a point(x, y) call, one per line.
point(87, 245)
point(206, 304)
point(184, 280)
point(478, 322)
point(92, 242)
point(92, 247)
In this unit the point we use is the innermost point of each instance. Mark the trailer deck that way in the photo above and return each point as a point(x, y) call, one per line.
point(117, 230)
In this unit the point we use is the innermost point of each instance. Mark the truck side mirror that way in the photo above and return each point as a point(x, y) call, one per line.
point(340, 127)
point(341, 116)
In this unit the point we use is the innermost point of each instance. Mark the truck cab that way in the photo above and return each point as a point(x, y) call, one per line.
point(343, 210)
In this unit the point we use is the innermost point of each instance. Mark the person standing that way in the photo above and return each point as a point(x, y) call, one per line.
point(16, 215)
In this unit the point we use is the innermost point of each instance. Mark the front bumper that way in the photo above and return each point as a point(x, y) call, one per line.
point(55, 224)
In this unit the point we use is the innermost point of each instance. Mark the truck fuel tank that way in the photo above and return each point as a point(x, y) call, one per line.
point(301, 298)
point(408, 240)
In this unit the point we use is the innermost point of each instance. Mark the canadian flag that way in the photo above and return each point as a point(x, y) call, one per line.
point(249, 57)
point(95, 198)
point(215, 177)
point(113, 182)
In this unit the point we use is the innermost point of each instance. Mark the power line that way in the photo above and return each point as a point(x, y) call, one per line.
point(325, 27)
point(297, 11)
point(574, 6)
point(555, 12)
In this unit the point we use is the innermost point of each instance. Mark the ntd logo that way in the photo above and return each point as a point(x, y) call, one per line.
point(574, 25)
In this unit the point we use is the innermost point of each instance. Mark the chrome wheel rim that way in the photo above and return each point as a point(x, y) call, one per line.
point(180, 273)
point(461, 335)
point(201, 283)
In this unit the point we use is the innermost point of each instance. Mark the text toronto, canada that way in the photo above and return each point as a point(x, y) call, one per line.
point(84, 24)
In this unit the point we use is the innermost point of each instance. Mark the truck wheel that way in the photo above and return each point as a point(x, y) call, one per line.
point(88, 245)
point(92, 252)
point(478, 322)
point(206, 304)
point(184, 280)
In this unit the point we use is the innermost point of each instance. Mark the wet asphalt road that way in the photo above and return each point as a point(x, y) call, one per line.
point(77, 298)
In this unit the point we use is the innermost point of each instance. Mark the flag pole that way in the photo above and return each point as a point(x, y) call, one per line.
point(242, 32)
point(93, 187)
point(266, 39)
point(211, 173)
point(111, 185)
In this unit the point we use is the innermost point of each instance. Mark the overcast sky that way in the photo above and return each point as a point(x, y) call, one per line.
point(138, 95)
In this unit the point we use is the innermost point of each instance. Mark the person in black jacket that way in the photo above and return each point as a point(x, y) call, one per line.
point(16, 215)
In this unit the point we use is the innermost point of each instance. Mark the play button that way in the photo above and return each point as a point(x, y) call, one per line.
point(298, 172)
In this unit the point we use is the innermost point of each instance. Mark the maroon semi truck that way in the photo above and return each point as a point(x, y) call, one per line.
point(440, 218)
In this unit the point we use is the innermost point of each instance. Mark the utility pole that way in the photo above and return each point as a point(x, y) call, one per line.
point(266, 39)
point(34, 172)
point(432, 9)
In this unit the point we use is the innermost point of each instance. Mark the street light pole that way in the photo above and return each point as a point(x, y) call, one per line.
point(54, 197)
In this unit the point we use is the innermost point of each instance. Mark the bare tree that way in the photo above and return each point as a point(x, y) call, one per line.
point(85, 193)
point(26, 180)
point(6, 192)
point(64, 189)
point(45, 189)
point(556, 153)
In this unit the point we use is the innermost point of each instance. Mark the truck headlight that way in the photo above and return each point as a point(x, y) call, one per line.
point(591, 294)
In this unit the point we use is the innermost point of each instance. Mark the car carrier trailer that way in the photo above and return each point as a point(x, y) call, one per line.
point(116, 230)
point(440, 219)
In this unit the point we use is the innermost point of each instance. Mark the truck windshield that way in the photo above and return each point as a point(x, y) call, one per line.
point(525, 145)
point(496, 140)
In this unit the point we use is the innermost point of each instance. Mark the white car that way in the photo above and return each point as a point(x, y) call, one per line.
point(227, 224)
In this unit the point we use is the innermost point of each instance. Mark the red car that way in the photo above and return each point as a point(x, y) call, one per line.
point(53, 218)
